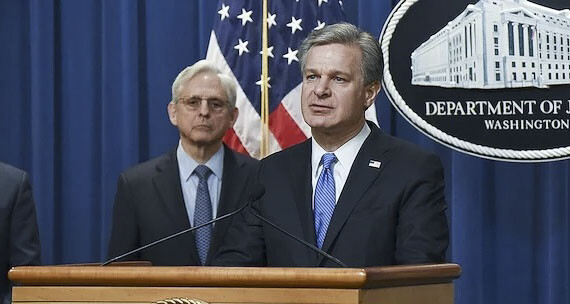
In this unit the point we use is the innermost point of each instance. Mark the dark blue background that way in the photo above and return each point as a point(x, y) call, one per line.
point(83, 94)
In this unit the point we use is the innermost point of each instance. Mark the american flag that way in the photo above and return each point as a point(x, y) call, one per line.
point(236, 47)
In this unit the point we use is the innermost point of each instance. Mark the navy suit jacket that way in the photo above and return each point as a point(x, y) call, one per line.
point(149, 205)
point(19, 237)
point(393, 214)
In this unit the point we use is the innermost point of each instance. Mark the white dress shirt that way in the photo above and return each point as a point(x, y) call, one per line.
point(345, 154)
point(189, 181)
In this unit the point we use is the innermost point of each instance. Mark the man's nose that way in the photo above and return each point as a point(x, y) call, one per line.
point(204, 108)
point(322, 88)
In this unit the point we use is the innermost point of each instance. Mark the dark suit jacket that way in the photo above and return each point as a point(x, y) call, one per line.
point(394, 214)
point(19, 237)
point(149, 205)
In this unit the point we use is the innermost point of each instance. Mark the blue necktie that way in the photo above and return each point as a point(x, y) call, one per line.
point(203, 212)
point(325, 198)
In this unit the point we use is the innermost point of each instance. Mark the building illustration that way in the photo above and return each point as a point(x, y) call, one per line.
point(497, 44)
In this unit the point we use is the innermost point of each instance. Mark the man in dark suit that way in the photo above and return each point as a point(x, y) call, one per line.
point(200, 180)
point(365, 197)
point(19, 236)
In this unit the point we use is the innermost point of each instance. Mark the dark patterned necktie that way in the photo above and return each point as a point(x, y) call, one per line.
point(203, 212)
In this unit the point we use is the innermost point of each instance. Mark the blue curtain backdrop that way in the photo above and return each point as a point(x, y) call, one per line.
point(83, 94)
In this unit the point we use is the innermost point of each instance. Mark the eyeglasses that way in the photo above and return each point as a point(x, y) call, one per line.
point(194, 103)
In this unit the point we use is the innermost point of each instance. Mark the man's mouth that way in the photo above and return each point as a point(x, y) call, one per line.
point(320, 107)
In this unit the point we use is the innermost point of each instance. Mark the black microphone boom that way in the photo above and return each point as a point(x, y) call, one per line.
point(313, 247)
point(256, 193)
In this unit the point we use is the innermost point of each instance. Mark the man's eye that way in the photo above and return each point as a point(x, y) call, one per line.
point(311, 77)
point(216, 104)
point(193, 102)
point(339, 79)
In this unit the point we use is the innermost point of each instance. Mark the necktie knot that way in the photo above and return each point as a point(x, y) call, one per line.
point(328, 159)
point(203, 172)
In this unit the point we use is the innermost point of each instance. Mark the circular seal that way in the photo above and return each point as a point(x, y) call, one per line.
point(490, 78)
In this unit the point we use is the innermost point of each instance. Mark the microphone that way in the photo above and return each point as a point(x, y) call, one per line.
point(313, 247)
point(256, 193)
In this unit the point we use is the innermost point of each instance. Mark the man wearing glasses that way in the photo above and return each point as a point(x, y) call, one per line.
point(200, 180)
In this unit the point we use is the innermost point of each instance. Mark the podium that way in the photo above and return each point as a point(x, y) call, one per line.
point(426, 284)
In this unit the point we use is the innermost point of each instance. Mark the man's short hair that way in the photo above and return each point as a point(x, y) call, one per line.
point(201, 66)
point(345, 33)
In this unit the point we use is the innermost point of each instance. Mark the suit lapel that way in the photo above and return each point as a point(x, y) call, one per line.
point(360, 178)
point(167, 183)
point(234, 182)
point(302, 193)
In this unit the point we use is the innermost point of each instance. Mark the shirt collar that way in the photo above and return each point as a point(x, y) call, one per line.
point(187, 164)
point(345, 154)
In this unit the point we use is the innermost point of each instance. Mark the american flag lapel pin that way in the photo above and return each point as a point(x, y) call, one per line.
point(374, 164)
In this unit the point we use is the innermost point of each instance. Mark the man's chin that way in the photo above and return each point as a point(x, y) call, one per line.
point(318, 122)
point(203, 140)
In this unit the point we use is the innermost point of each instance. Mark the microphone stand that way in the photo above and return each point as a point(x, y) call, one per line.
point(313, 247)
point(173, 236)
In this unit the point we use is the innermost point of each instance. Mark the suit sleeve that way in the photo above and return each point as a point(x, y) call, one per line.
point(124, 232)
point(24, 235)
point(422, 231)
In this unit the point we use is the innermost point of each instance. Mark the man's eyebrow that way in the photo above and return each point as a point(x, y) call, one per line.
point(219, 97)
point(327, 71)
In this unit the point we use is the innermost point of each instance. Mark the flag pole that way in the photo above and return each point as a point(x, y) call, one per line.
point(264, 146)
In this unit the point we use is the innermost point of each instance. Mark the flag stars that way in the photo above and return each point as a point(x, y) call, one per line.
point(241, 47)
point(291, 56)
point(320, 25)
point(245, 16)
point(224, 12)
point(260, 82)
point(271, 20)
point(269, 52)
point(295, 24)
point(321, 2)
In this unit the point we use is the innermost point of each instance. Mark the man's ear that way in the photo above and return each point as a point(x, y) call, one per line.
point(172, 113)
point(370, 93)
point(234, 115)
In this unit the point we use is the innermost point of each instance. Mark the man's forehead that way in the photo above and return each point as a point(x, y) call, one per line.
point(335, 57)
point(204, 76)
point(203, 80)
point(344, 47)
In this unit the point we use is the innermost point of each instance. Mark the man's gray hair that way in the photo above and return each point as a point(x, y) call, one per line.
point(201, 66)
point(345, 33)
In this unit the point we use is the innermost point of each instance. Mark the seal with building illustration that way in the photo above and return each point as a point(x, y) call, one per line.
point(489, 78)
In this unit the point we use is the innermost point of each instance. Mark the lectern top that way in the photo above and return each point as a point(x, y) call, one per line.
point(349, 278)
